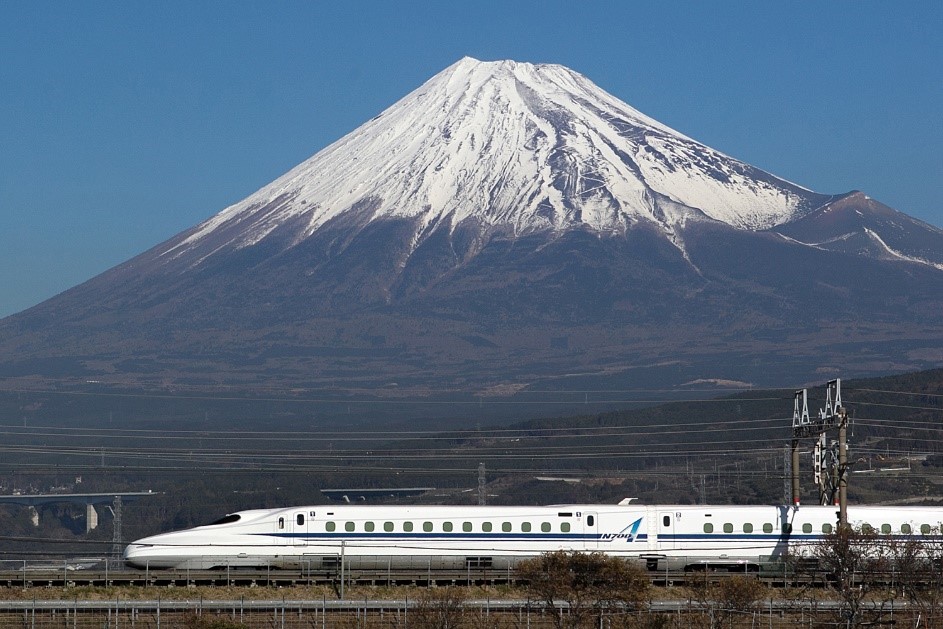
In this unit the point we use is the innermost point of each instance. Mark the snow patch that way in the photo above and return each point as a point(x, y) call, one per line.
point(897, 254)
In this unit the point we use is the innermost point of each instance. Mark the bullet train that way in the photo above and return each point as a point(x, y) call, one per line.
point(463, 537)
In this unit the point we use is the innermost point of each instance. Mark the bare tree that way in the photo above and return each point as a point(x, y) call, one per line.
point(725, 600)
point(440, 608)
point(855, 562)
point(918, 565)
point(578, 589)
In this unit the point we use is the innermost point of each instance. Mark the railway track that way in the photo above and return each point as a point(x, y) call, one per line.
point(241, 577)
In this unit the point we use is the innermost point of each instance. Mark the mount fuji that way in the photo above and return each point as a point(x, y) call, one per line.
point(507, 228)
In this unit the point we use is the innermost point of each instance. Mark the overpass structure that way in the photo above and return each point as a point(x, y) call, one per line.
point(116, 499)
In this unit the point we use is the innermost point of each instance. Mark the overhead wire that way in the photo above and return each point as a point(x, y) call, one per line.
point(512, 444)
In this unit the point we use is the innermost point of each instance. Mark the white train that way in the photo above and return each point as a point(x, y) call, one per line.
point(449, 537)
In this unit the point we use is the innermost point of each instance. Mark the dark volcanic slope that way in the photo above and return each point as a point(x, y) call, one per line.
point(747, 306)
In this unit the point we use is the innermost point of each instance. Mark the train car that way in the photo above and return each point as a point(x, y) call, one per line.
point(458, 537)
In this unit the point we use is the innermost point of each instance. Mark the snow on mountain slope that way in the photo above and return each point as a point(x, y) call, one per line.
point(532, 148)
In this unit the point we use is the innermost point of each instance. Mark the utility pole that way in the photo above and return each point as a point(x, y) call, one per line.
point(787, 476)
point(830, 468)
point(842, 467)
point(481, 484)
point(116, 528)
point(801, 424)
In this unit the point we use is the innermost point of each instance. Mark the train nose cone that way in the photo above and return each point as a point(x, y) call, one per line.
point(136, 553)
point(129, 555)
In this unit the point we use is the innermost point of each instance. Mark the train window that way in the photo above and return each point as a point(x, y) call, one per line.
point(708, 527)
point(407, 526)
point(590, 520)
point(226, 519)
point(281, 523)
point(905, 529)
point(368, 527)
point(925, 529)
point(486, 527)
point(827, 528)
point(300, 519)
point(886, 529)
point(506, 527)
point(807, 527)
point(564, 527)
point(867, 528)
point(447, 527)
point(525, 526)
point(787, 528)
point(747, 527)
point(545, 527)
point(427, 527)
point(467, 527)
point(728, 527)
point(349, 527)
point(388, 527)
point(665, 520)
point(330, 527)
point(767, 528)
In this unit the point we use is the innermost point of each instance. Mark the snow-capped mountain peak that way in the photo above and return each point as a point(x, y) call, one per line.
point(524, 147)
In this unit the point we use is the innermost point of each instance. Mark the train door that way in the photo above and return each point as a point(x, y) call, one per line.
point(300, 532)
point(591, 530)
point(666, 530)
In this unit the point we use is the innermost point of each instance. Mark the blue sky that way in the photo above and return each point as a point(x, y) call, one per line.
point(124, 123)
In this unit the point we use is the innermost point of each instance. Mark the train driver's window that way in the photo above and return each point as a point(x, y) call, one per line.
point(525, 526)
point(467, 527)
point(708, 527)
point(486, 527)
point(281, 523)
point(545, 527)
point(767, 528)
point(827, 528)
point(388, 527)
point(300, 519)
point(747, 527)
point(906, 529)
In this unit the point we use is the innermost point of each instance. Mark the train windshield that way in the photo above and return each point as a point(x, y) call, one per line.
point(228, 519)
